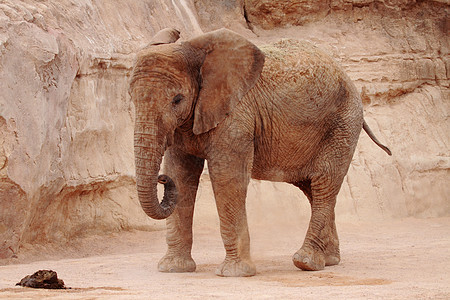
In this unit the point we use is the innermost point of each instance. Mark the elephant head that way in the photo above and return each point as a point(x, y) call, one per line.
point(193, 84)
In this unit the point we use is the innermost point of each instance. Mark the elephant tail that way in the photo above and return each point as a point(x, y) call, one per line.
point(374, 139)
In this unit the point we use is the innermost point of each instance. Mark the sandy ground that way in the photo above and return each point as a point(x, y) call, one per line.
point(400, 259)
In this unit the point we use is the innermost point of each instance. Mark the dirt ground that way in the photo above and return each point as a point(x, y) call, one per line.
point(396, 259)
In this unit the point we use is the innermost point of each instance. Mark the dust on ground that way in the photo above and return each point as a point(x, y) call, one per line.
point(395, 259)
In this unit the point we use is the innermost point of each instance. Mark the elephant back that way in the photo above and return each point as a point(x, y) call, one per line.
point(290, 61)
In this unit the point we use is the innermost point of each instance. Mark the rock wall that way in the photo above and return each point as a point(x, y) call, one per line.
point(66, 148)
point(66, 121)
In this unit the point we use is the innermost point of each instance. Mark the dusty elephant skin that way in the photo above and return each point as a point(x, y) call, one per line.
point(270, 114)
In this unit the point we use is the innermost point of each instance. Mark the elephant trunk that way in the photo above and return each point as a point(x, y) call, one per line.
point(148, 157)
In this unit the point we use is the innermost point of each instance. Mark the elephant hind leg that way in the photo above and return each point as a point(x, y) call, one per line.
point(305, 186)
point(321, 245)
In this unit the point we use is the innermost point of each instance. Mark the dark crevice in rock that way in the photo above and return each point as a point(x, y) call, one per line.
point(249, 24)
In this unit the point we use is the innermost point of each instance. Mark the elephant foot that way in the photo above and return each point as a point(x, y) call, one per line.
point(332, 253)
point(332, 259)
point(236, 268)
point(309, 260)
point(176, 264)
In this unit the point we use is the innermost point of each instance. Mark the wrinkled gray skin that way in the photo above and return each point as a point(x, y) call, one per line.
point(287, 113)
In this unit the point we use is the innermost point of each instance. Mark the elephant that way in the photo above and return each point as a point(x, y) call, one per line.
point(285, 112)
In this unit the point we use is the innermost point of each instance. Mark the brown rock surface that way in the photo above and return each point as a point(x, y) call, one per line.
point(66, 122)
point(42, 279)
point(271, 14)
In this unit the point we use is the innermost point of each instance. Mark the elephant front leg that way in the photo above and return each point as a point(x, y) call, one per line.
point(230, 190)
point(186, 171)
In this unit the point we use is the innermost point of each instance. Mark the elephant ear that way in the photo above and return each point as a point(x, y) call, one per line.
point(231, 67)
point(165, 36)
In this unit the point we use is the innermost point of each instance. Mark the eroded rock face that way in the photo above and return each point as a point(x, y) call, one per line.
point(66, 152)
point(66, 120)
point(271, 14)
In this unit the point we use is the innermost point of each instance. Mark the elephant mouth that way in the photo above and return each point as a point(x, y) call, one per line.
point(169, 141)
point(170, 193)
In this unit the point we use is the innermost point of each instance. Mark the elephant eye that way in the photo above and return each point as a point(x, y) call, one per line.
point(177, 99)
